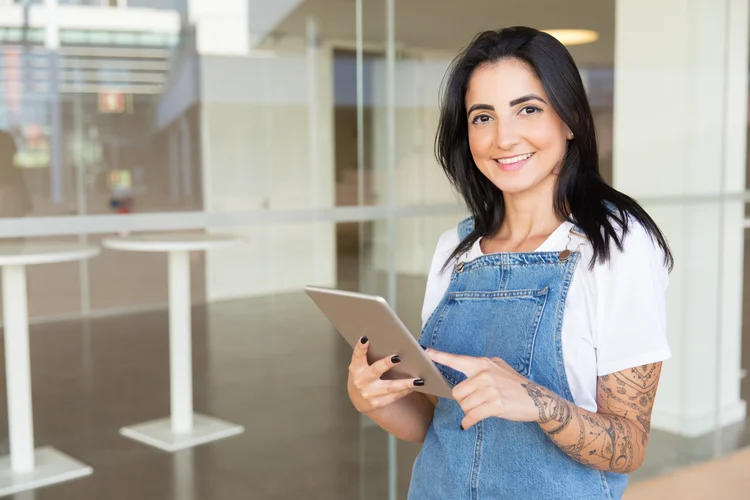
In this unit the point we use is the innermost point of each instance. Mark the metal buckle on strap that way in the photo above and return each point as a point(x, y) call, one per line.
point(565, 254)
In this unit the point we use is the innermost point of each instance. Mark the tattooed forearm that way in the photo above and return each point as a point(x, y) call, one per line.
point(605, 442)
point(549, 410)
point(615, 437)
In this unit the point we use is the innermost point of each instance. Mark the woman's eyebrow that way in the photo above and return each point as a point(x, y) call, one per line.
point(526, 98)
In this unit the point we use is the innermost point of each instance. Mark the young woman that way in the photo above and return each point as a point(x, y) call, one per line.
point(545, 308)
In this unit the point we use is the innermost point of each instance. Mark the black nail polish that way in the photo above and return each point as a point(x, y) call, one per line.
point(423, 347)
point(396, 359)
point(462, 427)
point(419, 382)
point(364, 339)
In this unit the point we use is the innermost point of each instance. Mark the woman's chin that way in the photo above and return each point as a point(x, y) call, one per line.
point(513, 186)
point(520, 182)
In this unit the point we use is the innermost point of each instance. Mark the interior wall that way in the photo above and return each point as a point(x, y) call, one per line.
point(257, 156)
point(701, 154)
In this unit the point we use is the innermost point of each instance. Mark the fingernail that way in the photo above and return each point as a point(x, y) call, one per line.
point(364, 339)
point(396, 359)
point(462, 427)
point(419, 382)
point(423, 347)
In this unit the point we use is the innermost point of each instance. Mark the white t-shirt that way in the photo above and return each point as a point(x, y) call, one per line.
point(615, 315)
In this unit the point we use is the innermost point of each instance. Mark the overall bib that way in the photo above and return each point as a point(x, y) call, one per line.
point(506, 305)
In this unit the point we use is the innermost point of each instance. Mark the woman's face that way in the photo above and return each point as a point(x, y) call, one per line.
point(516, 138)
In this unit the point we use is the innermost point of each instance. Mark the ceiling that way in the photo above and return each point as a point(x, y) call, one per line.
point(445, 26)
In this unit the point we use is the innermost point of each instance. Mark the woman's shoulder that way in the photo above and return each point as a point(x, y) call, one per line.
point(636, 243)
point(627, 296)
point(637, 256)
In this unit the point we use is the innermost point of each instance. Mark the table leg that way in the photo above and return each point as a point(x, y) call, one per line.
point(180, 343)
point(26, 468)
point(18, 370)
point(183, 428)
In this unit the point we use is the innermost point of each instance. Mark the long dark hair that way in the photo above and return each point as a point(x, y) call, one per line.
point(580, 194)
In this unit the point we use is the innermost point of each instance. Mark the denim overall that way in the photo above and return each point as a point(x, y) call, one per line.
point(506, 305)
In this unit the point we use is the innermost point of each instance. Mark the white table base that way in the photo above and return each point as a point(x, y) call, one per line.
point(183, 428)
point(51, 467)
point(159, 433)
point(25, 468)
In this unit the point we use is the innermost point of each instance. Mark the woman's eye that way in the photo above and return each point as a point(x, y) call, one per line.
point(529, 110)
point(481, 119)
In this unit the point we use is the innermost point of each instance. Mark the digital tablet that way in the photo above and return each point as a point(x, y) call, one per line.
point(356, 315)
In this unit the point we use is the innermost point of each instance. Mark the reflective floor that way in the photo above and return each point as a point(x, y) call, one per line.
point(271, 364)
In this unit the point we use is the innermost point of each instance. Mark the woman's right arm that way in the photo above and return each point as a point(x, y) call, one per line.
point(392, 404)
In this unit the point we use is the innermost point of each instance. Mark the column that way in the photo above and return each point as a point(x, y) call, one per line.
point(220, 27)
point(266, 142)
point(680, 124)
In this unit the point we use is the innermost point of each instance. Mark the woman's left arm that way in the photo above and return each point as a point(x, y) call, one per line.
point(615, 437)
point(612, 439)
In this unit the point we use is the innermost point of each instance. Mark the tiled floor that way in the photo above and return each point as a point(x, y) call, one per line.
point(271, 364)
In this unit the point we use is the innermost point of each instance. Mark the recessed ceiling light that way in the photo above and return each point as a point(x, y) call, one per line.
point(574, 37)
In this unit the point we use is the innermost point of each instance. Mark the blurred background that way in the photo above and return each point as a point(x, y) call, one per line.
point(307, 127)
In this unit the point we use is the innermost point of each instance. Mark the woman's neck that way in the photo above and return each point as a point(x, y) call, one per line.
point(529, 217)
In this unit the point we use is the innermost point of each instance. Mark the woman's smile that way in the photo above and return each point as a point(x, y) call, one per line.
point(513, 163)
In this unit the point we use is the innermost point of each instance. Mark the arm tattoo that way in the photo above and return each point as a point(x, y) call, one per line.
point(615, 437)
point(550, 410)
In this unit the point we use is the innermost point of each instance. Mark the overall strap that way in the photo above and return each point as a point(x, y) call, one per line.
point(465, 227)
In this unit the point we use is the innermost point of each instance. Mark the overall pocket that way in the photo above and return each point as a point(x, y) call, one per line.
point(499, 324)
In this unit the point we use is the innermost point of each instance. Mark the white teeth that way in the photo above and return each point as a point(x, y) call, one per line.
point(515, 159)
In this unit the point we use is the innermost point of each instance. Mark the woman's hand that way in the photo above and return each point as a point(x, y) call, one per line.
point(367, 392)
point(492, 389)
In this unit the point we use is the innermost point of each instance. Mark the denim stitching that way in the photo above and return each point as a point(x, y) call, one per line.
point(485, 261)
point(605, 485)
point(542, 294)
point(437, 308)
point(433, 339)
point(433, 336)
point(562, 377)
point(504, 276)
point(540, 311)
point(500, 294)
point(474, 483)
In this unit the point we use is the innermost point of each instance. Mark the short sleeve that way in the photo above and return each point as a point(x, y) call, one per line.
point(438, 279)
point(631, 312)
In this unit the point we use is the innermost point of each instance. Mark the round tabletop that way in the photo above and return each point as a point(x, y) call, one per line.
point(170, 242)
point(23, 254)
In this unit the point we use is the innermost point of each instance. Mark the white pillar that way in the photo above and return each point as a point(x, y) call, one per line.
point(680, 123)
point(221, 28)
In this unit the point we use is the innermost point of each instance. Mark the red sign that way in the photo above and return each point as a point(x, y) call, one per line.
point(112, 102)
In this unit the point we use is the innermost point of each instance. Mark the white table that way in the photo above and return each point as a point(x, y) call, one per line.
point(27, 468)
point(184, 428)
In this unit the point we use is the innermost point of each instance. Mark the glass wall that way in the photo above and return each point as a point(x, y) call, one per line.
point(306, 128)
